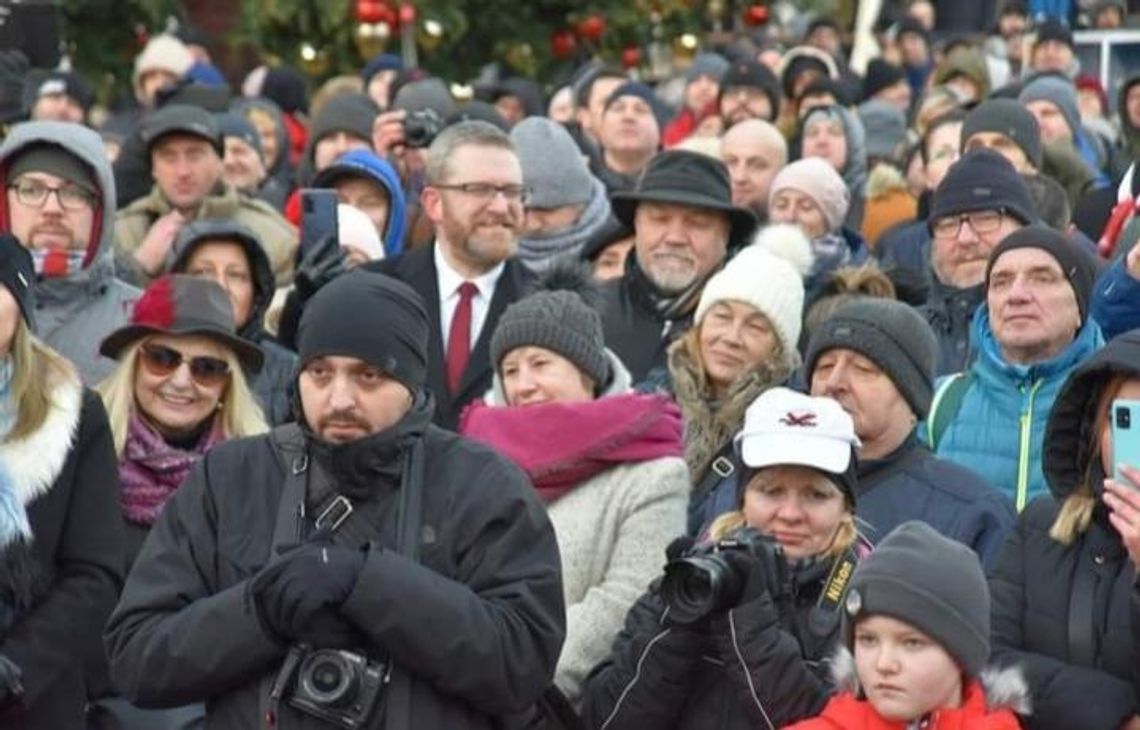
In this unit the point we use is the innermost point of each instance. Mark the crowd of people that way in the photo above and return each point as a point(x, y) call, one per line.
point(775, 393)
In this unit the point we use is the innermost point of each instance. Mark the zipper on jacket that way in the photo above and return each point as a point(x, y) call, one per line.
point(1024, 442)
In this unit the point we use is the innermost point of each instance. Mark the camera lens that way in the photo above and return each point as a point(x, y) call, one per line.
point(1123, 418)
point(328, 678)
point(697, 586)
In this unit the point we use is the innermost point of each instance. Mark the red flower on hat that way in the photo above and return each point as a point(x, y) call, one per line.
point(156, 306)
point(803, 419)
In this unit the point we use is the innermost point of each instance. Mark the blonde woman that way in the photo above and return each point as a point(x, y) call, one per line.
point(60, 538)
point(178, 390)
point(753, 657)
point(1063, 588)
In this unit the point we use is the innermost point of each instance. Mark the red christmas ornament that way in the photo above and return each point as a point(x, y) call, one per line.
point(562, 44)
point(407, 14)
point(631, 57)
point(591, 28)
point(755, 15)
point(369, 11)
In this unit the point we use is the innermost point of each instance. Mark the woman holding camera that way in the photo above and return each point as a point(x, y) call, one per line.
point(735, 635)
point(1065, 604)
point(606, 461)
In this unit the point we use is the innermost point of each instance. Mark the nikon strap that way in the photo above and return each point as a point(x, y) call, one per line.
point(825, 614)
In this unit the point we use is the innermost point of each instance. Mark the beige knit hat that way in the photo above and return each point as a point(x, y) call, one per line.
point(815, 177)
point(162, 53)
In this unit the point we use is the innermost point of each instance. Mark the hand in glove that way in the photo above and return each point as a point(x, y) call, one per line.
point(320, 265)
point(765, 570)
point(11, 681)
point(290, 595)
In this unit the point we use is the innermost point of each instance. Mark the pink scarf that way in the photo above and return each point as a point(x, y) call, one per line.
point(561, 445)
point(151, 470)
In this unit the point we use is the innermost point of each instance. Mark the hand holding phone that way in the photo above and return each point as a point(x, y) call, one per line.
point(1125, 439)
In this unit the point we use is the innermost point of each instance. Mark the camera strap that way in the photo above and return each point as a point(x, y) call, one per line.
point(825, 615)
point(398, 707)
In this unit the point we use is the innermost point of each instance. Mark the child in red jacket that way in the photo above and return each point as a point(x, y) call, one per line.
point(916, 635)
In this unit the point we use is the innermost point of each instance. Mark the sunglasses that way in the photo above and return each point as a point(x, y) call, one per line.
point(161, 361)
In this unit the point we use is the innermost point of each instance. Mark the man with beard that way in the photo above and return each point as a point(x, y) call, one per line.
point(685, 225)
point(474, 196)
point(754, 151)
point(748, 90)
point(60, 199)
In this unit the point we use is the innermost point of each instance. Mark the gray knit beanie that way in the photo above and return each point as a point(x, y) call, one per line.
point(931, 582)
point(553, 169)
point(1060, 92)
point(560, 322)
point(890, 334)
point(1006, 116)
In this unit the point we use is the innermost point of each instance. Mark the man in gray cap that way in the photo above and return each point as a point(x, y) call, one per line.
point(565, 205)
point(876, 358)
point(185, 148)
point(60, 198)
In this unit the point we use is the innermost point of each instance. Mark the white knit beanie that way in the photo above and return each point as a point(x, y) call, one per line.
point(355, 228)
point(163, 53)
point(815, 177)
point(767, 282)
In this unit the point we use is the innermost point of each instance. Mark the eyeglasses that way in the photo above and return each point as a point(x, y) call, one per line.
point(983, 222)
point(161, 361)
point(486, 192)
point(34, 193)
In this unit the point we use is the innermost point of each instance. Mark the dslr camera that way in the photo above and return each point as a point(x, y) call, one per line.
point(337, 686)
point(702, 582)
point(422, 127)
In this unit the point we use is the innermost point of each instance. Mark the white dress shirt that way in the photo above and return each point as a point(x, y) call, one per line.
point(448, 282)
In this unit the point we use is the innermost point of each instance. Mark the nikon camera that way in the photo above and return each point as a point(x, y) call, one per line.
point(340, 687)
point(701, 582)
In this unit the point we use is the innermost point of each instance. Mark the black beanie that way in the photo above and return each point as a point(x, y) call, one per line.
point(350, 113)
point(372, 317)
point(931, 582)
point(880, 75)
point(750, 73)
point(1006, 116)
point(890, 334)
point(1078, 267)
point(643, 92)
point(982, 180)
point(17, 275)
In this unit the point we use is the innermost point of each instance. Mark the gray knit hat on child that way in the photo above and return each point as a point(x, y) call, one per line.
point(890, 334)
point(554, 172)
point(559, 321)
point(931, 582)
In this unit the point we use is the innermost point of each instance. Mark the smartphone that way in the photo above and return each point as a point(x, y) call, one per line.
point(1125, 438)
point(318, 218)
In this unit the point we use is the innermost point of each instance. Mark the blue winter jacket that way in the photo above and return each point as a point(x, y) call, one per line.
point(1115, 301)
point(374, 167)
point(1000, 424)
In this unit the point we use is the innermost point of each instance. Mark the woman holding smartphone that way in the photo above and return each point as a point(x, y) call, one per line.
point(1063, 586)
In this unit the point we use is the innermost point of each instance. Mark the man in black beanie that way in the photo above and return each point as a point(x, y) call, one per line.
point(876, 358)
point(362, 528)
point(1032, 331)
point(748, 90)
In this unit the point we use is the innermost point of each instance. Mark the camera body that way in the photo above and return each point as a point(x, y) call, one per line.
point(702, 582)
point(338, 686)
point(421, 127)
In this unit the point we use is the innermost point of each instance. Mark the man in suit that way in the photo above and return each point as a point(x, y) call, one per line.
point(468, 275)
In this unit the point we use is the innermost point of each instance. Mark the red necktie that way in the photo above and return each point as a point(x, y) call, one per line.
point(459, 338)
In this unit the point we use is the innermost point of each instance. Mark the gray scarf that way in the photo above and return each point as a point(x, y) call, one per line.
point(539, 253)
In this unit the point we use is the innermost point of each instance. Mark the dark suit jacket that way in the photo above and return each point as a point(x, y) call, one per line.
point(416, 268)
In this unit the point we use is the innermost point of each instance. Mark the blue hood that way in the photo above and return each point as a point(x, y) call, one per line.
point(366, 163)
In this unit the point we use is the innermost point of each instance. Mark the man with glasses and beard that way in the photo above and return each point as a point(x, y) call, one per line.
point(468, 275)
point(60, 204)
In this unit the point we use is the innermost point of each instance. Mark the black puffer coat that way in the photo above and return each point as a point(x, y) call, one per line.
point(1069, 615)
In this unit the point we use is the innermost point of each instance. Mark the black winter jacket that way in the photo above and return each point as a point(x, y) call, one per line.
point(1046, 596)
point(751, 663)
point(59, 590)
point(950, 311)
point(478, 622)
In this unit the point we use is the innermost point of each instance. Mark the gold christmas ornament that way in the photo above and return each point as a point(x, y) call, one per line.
point(371, 38)
point(313, 61)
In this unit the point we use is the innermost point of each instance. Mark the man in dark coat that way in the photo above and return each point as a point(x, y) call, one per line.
point(230, 579)
point(876, 357)
point(468, 275)
point(684, 227)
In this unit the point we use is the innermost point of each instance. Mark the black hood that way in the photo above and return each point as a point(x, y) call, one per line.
point(1071, 429)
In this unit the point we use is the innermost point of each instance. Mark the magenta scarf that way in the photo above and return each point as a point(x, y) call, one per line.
point(561, 445)
point(151, 470)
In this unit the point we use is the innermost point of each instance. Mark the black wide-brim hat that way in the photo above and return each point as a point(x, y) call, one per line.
point(177, 304)
point(687, 178)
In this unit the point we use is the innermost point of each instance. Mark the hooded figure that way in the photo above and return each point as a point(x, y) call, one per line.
point(854, 170)
point(366, 164)
point(78, 306)
point(278, 168)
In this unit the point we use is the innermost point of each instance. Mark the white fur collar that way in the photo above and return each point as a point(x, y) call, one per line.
point(35, 462)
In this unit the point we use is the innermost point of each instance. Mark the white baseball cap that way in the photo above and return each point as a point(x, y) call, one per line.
point(783, 426)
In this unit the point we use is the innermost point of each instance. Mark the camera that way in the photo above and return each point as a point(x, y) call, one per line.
point(1123, 418)
point(702, 582)
point(421, 127)
point(338, 686)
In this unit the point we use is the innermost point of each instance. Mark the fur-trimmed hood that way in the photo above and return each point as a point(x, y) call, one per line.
point(1005, 687)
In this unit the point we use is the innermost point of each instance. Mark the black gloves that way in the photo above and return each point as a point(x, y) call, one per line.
point(764, 569)
point(296, 598)
point(11, 684)
point(320, 265)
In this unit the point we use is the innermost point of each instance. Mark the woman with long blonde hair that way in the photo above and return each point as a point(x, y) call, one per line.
point(1063, 587)
point(178, 390)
